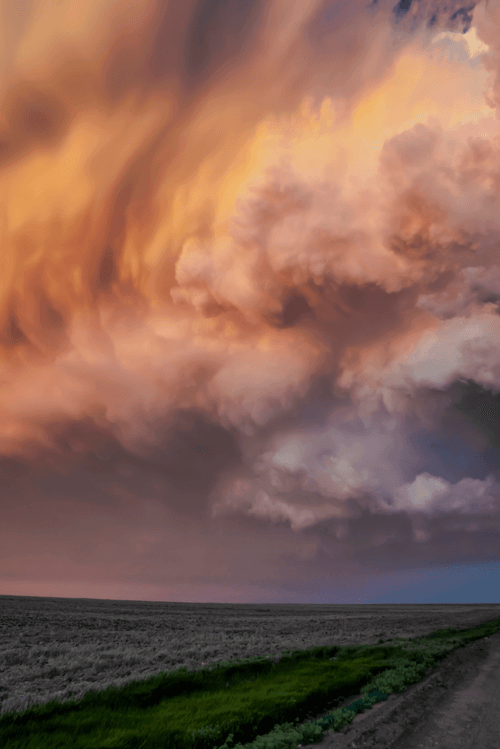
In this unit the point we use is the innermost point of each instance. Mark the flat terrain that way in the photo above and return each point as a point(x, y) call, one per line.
point(62, 648)
point(456, 706)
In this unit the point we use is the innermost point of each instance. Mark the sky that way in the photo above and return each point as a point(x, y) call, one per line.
point(249, 300)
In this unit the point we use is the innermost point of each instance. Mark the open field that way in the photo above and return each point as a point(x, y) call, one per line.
point(250, 702)
point(64, 648)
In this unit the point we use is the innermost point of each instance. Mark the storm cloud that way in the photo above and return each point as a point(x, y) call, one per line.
point(249, 295)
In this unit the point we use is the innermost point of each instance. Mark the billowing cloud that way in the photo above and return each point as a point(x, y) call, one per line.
point(249, 299)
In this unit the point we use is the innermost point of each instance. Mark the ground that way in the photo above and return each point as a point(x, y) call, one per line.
point(456, 706)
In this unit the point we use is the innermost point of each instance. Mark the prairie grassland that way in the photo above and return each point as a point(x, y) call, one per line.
point(63, 648)
point(250, 702)
point(256, 625)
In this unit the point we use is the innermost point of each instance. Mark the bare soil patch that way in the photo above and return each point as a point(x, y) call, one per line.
point(456, 706)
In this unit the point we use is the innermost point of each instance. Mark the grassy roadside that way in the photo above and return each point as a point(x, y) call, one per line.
point(257, 703)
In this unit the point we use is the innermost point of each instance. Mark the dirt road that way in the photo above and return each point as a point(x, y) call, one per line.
point(457, 706)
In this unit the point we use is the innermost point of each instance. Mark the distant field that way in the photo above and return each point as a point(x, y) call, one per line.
point(61, 648)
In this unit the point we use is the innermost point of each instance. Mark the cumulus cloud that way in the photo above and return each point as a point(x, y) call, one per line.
point(249, 282)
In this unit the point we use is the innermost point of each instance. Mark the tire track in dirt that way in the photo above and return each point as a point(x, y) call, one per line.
point(470, 716)
point(456, 706)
